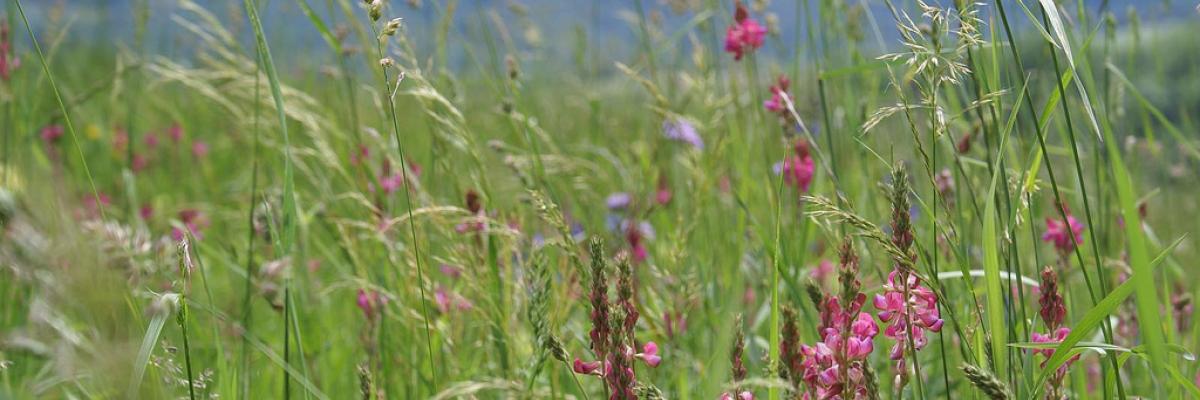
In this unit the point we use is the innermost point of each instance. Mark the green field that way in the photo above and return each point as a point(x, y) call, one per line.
point(889, 199)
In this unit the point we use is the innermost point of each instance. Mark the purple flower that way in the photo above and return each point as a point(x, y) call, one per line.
point(618, 201)
point(681, 130)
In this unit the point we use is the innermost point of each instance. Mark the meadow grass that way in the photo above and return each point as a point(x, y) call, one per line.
point(903, 199)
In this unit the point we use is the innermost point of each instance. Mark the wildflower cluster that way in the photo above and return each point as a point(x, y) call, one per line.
point(905, 304)
point(1053, 312)
point(745, 35)
point(834, 368)
point(1064, 234)
point(798, 168)
point(612, 335)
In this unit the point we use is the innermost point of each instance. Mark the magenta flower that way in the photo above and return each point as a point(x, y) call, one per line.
point(649, 354)
point(798, 168)
point(636, 234)
point(199, 149)
point(779, 97)
point(447, 300)
point(360, 155)
point(192, 220)
point(587, 368)
point(663, 195)
point(8, 60)
point(451, 271)
point(744, 395)
point(911, 309)
point(140, 163)
point(391, 180)
point(370, 302)
point(1057, 337)
point(93, 204)
point(51, 134)
point(1060, 233)
point(745, 35)
point(146, 211)
point(834, 366)
point(175, 132)
point(821, 271)
point(151, 141)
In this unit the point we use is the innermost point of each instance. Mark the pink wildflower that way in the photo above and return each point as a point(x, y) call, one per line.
point(140, 163)
point(822, 271)
point(744, 395)
point(8, 60)
point(370, 302)
point(359, 155)
point(636, 235)
point(1060, 233)
point(192, 220)
point(175, 132)
point(151, 141)
point(649, 354)
point(199, 149)
point(910, 314)
point(587, 368)
point(779, 97)
point(93, 205)
point(1053, 312)
point(745, 35)
point(451, 271)
point(447, 300)
point(120, 139)
point(51, 134)
point(798, 168)
point(663, 195)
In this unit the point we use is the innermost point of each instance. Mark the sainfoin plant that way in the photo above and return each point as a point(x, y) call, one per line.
point(536, 199)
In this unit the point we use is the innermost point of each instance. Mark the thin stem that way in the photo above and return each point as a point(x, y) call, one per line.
point(379, 47)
